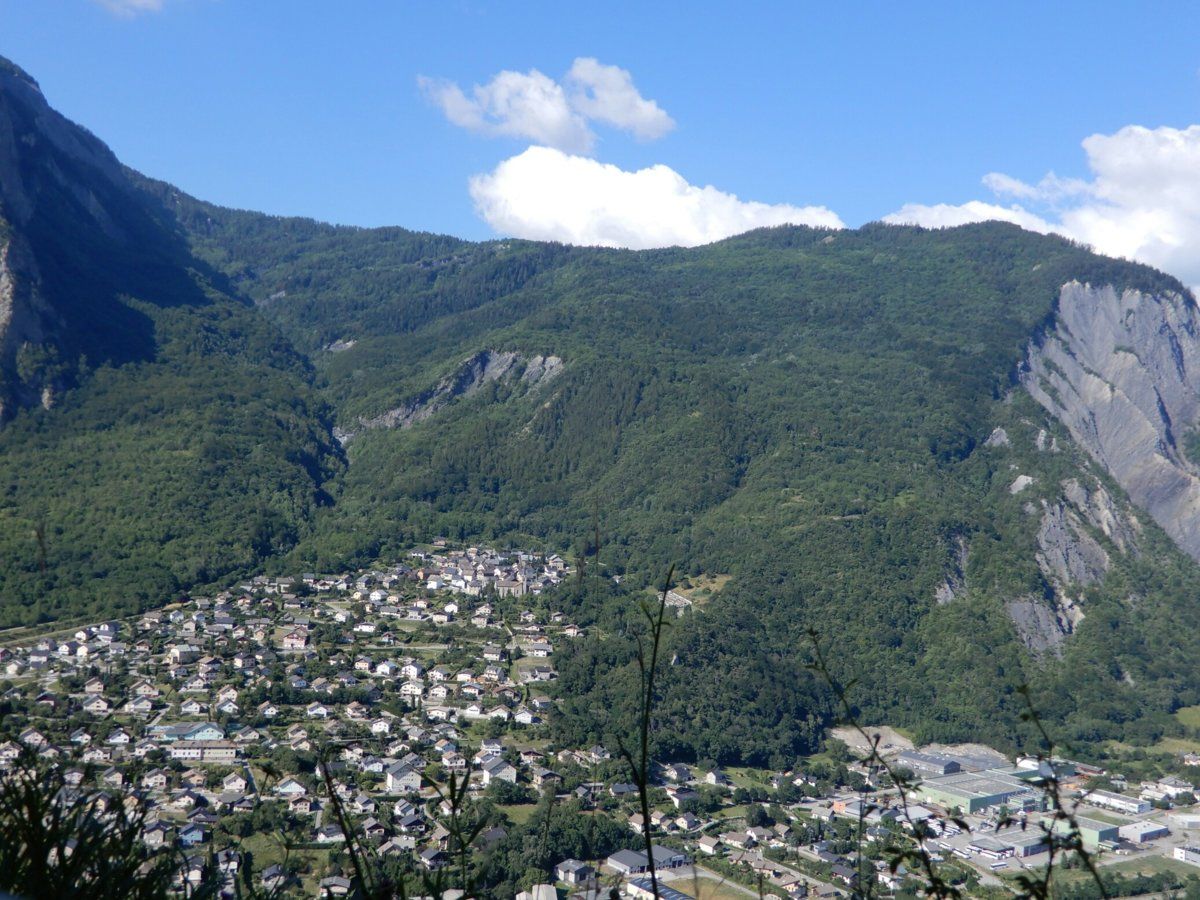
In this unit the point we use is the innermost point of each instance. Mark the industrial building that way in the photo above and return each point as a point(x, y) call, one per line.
point(1130, 806)
point(991, 847)
point(928, 763)
point(973, 792)
point(1140, 832)
point(1025, 841)
point(1092, 832)
point(1189, 855)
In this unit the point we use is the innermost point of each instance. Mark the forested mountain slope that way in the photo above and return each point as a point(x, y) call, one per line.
point(159, 432)
point(880, 435)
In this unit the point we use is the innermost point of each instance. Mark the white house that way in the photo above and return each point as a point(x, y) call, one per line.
point(402, 779)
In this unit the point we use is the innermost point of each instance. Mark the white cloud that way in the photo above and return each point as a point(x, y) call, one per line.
point(514, 104)
point(1051, 189)
point(946, 215)
point(554, 191)
point(130, 8)
point(1005, 185)
point(535, 107)
point(607, 94)
point(1142, 201)
point(545, 194)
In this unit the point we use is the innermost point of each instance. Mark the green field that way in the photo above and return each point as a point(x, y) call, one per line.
point(1147, 866)
point(268, 850)
point(1177, 745)
point(732, 812)
point(747, 777)
point(714, 886)
point(520, 813)
point(703, 889)
point(1189, 716)
point(702, 588)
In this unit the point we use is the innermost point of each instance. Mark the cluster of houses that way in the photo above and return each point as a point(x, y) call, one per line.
point(473, 572)
point(182, 711)
point(476, 571)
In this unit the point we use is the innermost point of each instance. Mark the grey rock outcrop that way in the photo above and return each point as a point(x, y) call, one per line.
point(541, 368)
point(998, 438)
point(1122, 373)
point(1020, 483)
point(1072, 554)
point(1067, 554)
point(955, 584)
point(1099, 510)
point(472, 374)
point(1041, 628)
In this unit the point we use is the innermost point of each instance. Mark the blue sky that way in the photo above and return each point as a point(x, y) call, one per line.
point(315, 108)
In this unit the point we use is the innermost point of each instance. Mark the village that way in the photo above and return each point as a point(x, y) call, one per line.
point(249, 726)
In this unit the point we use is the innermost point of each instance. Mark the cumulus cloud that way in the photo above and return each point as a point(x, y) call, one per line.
point(554, 191)
point(526, 105)
point(947, 215)
point(130, 8)
point(535, 107)
point(1142, 201)
point(607, 94)
point(545, 194)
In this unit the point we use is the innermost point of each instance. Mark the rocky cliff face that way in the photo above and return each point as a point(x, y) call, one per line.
point(20, 312)
point(472, 374)
point(1075, 535)
point(28, 323)
point(38, 149)
point(1122, 372)
point(1070, 552)
point(24, 322)
point(76, 238)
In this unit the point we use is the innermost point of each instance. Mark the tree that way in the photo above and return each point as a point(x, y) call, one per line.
point(508, 793)
point(757, 817)
point(63, 843)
